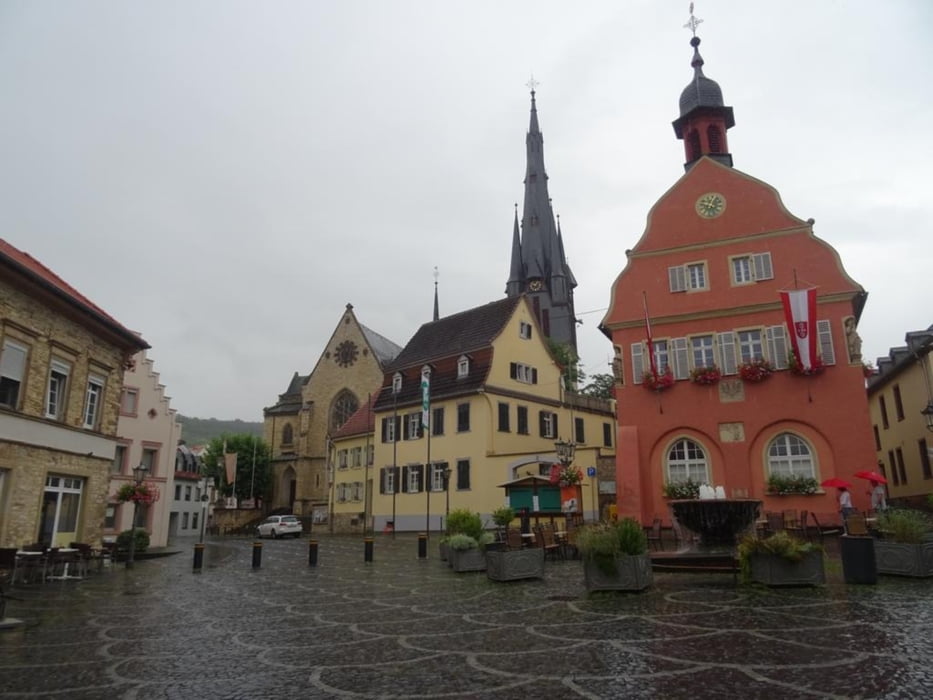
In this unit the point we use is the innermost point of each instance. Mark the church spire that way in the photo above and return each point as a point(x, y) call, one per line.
point(437, 314)
point(704, 118)
point(538, 266)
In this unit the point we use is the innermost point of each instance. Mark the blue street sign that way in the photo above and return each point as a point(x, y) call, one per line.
point(591, 471)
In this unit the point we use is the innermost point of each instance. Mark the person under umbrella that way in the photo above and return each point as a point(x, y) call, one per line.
point(878, 496)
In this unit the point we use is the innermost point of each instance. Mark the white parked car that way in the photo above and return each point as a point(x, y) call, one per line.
point(279, 526)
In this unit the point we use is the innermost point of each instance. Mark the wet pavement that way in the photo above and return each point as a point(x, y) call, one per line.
point(403, 628)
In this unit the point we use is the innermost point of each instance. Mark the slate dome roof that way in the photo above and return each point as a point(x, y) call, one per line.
point(702, 91)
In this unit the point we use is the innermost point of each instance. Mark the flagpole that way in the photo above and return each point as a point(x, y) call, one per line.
point(252, 476)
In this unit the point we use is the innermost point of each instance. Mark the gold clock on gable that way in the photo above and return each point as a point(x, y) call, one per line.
point(710, 205)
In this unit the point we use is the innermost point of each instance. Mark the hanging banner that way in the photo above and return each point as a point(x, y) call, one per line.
point(425, 397)
point(800, 316)
point(230, 466)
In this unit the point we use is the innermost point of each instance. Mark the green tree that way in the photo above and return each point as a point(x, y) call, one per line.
point(600, 386)
point(249, 480)
point(571, 371)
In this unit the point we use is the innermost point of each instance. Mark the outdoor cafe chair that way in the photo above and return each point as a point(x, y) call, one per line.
point(514, 538)
point(545, 538)
point(824, 528)
point(775, 522)
point(799, 525)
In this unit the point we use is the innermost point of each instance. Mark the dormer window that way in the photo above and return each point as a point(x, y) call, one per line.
point(524, 330)
point(463, 367)
point(397, 383)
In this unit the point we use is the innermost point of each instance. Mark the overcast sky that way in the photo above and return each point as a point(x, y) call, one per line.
point(224, 177)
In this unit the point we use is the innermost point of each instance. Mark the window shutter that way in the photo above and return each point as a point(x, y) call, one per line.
point(385, 429)
point(681, 361)
point(541, 426)
point(678, 278)
point(382, 480)
point(463, 474)
point(777, 346)
point(398, 427)
point(419, 479)
point(403, 484)
point(638, 363)
point(827, 353)
point(761, 264)
point(534, 376)
point(726, 349)
point(555, 432)
point(405, 426)
point(396, 479)
point(513, 370)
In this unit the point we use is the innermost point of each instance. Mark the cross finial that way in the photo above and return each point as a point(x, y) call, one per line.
point(693, 22)
point(436, 275)
point(532, 84)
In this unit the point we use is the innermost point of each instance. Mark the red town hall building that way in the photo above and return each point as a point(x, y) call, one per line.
point(708, 385)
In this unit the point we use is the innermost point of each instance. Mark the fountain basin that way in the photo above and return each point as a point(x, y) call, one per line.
point(716, 521)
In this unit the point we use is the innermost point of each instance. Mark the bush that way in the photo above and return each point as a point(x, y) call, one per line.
point(604, 543)
point(461, 542)
point(142, 540)
point(503, 516)
point(681, 490)
point(780, 544)
point(904, 525)
point(464, 522)
point(783, 485)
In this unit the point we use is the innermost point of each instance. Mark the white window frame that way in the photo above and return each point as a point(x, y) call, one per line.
point(547, 423)
point(93, 401)
point(414, 478)
point(703, 350)
point(56, 397)
point(680, 354)
point(750, 347)
point(390, 480)
point(689, 277)
point(124, 396)
point(524, 373)
point(390, 429)
point(690, 462)
point(356, 457)
point(343, 459)
point(825, 341)
point(778, 347)
point(437, 477)
point(793, 461)
point(463, 367)
point(661, 355)
point(638, 363)
point(13, 367)
point(524, 330)
point(396, 382)
point(414, 425)
point(725, 350)
point(750, 268)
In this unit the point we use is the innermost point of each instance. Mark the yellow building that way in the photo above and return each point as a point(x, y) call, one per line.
point(898, 394)
point(62, 360)
point(496, 408)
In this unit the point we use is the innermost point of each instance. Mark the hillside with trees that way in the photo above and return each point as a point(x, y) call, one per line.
point(200, 431)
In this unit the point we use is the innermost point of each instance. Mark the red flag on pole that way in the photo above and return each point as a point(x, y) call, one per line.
point(651, 362)
point(230, 465)
point(800, 315)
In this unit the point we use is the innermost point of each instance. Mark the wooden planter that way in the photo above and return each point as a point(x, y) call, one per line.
point(511, 565)
point(773, 570)
point(633, 573)
point(461, 560)
point(904, 559)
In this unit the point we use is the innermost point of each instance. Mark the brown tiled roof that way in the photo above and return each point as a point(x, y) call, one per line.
point(361, 422)
point(440, 344)
point(38, 273)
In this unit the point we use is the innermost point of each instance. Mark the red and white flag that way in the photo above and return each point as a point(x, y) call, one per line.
point(800, 315)
point(651, 362)
point(230, 464)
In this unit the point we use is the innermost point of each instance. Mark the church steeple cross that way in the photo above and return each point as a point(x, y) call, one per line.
point(532, 84)
point(693, 22)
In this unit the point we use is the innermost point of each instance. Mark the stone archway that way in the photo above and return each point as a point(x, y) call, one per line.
point(288, 487)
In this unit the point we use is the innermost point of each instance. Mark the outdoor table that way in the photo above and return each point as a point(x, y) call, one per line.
point(65, 576)
point(29, 560)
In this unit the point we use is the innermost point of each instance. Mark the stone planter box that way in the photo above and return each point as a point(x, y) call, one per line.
point(515, 564)
point(773, 570)
point(904, 559)
point(461, 560)
point(633, 573)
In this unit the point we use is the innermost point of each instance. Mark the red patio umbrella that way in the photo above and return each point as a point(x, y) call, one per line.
point(871, 476)
point(835, 483)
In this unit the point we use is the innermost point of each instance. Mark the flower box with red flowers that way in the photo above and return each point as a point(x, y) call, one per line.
point(756, 370)
point(705, 375)
point(141, 493)
point(793, 364)
point(566, 476)
point(658, 381)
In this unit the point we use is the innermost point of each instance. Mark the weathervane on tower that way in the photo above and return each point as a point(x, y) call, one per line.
point(693, 22)
point(532, 84)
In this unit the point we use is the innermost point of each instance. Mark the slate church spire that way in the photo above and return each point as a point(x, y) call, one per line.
point(538, 266)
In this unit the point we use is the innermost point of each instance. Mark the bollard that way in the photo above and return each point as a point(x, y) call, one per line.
point(368, 549)
point(422, 546)
point(312, 552)
point(198, 557)
point(257, 554)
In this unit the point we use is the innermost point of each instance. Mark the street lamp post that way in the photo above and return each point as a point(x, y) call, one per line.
point(204, 499)
point(139, 476)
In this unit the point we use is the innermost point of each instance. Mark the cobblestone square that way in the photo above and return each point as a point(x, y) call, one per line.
point(403, 628)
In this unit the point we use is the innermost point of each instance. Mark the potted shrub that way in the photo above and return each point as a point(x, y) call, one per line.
point(659, 381)
point(793, 364)
point(615, 556)
point(705, 375)
point(466, 553)
point(514, 564)
point(781, 560)
point(905, 548)
point(503, 516)
point(785, 485)
point(756, 370)
point(460, 521)
point(681, 490)
point(141, 537)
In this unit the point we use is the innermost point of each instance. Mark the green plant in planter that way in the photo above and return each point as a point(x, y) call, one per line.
point(681, 490)
point(461, 542)
point(604, 543)
point(503, 516)
point(904, 525)
point(780, 544)
point(783, 485)
point(463, 521)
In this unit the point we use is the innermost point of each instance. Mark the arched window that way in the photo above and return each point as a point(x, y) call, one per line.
point(287, 434)
point(693, 144)
point(344, 406)
point(790, 455)
point(714, 136)
point(687, 460)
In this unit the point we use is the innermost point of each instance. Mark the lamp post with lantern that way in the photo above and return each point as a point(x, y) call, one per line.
point(139, 476)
